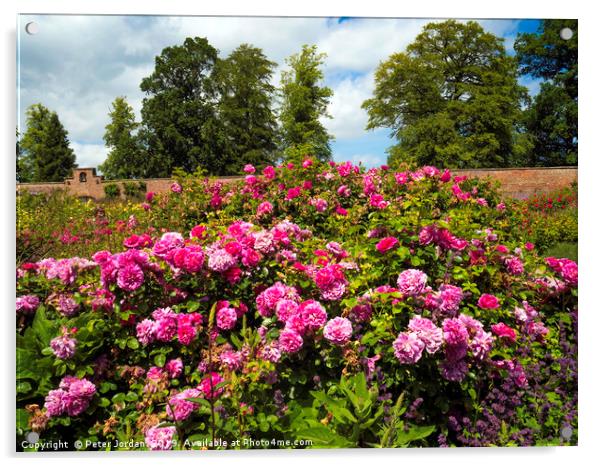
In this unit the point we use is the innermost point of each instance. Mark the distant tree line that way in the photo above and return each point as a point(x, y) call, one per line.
point(452, 98)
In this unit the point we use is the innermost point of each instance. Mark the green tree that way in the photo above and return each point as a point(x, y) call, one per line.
point(551, 120)
point(126, 158)
point(24, 168)
point(179, 114)
point(303, 102)
point(245, 108)
point(450, 99)
point(47, 155)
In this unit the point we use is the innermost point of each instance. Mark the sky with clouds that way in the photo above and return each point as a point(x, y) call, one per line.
point(77, 65)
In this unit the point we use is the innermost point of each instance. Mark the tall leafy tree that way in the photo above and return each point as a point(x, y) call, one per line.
point(126, 158)
point(245, 108)
point(450, 99)
point(179, 112)
point(551, 120)
point(47, 155)
point(303, 102)
point(24, 168)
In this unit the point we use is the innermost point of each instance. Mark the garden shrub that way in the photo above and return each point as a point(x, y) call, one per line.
point(317, 305)
point(134, 189)
point(112, 190)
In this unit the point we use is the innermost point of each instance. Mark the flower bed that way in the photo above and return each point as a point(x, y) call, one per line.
point(311, 306)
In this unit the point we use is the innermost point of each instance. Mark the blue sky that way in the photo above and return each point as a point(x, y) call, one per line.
point(77, 65)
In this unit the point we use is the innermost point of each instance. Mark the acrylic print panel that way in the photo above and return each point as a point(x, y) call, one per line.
point(294, 233)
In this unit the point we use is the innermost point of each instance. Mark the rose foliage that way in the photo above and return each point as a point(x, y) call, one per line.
point(320, 305)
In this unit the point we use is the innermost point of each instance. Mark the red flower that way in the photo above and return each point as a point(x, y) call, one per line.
point(488, 301)
point(386, 244)
point(503, 331)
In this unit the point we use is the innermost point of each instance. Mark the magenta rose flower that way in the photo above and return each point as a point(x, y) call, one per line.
point(488, 301)
point(338, 330)
point(503, 331)
point(386, 244)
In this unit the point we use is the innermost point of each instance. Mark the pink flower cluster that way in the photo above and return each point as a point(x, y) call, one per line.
point(232, 360)
point(220, 260)
point(27, 304)
point(102, 299)
point(160, 438)
point(488, 301)
point(67, 305)
point(378, 201)
point(178, 407)
point(458, 192)
point(166, 325)
point(174, 368)
point(290, 341)
point(408, 348)
point(412, 282)
point(138, 241)
point(268, 299)
point(344, 191)
point(320, 204)
point(331, 281)
point(126, 268)
point(64, 345)
point(514, 265)
point(442, 237)
point(338, 330)
point(265, 208)
point(422, 334)
point(226, 318)
point(526, 317)
point(567, 269)
point(386, 244)
point(503, 331)
point(63, 269)
point(346, 168)
point(463, 334)
point(209, 385)
point(72, 397)
point(298, 317)
point(446, 301)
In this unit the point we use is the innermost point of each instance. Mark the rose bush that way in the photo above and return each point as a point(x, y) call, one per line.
point(321, 304)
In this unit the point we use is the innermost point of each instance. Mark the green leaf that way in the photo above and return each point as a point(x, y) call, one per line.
point(159, 359)
point(104, 402)
point(22, 419)
point(26, 364)
point(342, 414)
point(322, 436)
point(133, 343)
point(23, 387)
point(44, 329)
point(414, 433)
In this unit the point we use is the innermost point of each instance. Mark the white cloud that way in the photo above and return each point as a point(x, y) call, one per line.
point(368, 160)
point(89, 155)
point(360, 45)
point(348, 118)
point(77, 65)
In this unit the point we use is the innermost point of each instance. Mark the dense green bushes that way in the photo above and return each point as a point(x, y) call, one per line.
point(311, 305)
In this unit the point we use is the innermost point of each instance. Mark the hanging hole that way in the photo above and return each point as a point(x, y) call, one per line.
point(32, 28)
point(566, 33)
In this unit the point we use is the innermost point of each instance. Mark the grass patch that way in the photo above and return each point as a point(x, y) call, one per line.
point(566, 250)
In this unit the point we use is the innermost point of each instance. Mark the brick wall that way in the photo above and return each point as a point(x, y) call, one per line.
point(521, 183)
point(518, 183)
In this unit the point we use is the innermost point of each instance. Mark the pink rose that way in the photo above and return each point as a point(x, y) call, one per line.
point(488, 301)
point(503, 331)
point(386, 244)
